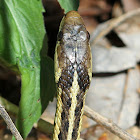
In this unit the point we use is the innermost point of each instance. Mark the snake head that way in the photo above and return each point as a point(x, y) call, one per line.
point(72, 28)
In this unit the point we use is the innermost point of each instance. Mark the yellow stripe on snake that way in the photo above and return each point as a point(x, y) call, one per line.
point(73, 72)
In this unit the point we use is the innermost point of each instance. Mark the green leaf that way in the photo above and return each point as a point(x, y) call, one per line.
point(30, 107)
point(32, 103)
point(69, 5)
point(21, 31)
point(22, 37)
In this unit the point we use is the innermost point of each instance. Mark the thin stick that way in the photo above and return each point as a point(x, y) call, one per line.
point(9, 122)
point(108, 124)
point(89, 113)
point(124, 95)
point(105, 28)
point(41, 125)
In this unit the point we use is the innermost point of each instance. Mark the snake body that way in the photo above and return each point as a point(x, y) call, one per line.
point(73, 72)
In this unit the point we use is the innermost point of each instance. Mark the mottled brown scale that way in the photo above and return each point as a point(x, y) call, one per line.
point(65, 82)
point(73, 55)
point(78, 114)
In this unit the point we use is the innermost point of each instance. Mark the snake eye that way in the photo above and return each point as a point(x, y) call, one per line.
point(59, 36)
point(82, 35)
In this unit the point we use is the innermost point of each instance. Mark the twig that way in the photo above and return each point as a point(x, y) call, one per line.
point(89, 113)
point(105, 28)
point(41, 125)
point(9, 122)
point(124, 95)
point(108, 124)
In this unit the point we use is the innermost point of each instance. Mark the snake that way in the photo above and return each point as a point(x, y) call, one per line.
point(73, 73)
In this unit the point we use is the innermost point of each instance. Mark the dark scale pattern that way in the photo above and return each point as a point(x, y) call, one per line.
point(60, 136)
point(83, 81)
point(77, 120)
point(83, 78)
point(65, 82)
point(74, 133)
